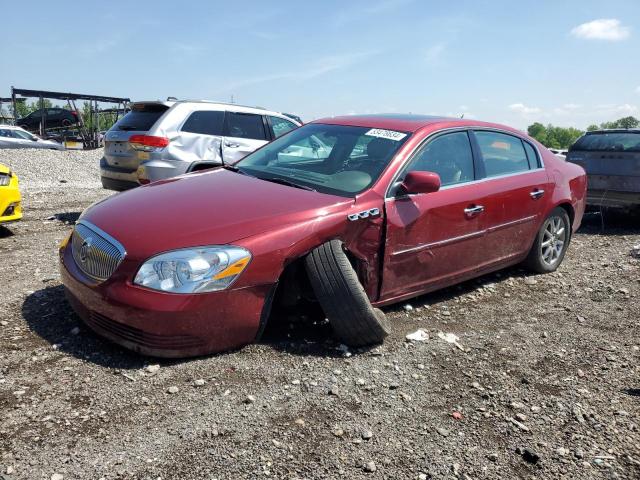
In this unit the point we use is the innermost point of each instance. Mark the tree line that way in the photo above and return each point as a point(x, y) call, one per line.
point(552, 136)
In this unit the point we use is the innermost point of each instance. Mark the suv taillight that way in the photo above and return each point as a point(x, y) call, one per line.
point(147, 143)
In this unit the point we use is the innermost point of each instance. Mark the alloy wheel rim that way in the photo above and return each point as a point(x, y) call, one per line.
point(553, 239)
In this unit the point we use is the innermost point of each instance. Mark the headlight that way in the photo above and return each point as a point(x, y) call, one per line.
point(193, 270)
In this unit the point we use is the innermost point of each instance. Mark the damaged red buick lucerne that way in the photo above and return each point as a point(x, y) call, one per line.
point(350, 212)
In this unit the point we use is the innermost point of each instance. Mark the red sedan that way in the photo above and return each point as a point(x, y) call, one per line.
point(350, 212)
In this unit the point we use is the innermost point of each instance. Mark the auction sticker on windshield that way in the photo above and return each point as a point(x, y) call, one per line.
point(388, 134)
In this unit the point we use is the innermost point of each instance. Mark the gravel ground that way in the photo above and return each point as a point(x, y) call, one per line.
point(543, 381)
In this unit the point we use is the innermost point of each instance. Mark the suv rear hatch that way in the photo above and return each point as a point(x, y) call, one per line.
point(611, 159)
point(117, 149)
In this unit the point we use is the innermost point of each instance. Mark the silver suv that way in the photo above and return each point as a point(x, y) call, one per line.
point(158, 140)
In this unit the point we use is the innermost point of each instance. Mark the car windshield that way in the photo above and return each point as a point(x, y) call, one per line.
point(609, 141)
point(334, 159)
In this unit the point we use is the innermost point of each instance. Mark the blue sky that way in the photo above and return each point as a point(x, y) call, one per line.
point(569, 62)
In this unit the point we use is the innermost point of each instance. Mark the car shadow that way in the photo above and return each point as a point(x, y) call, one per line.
point(304, 334)
point(48, 315)
point(5, 232)
point(68, 217)
point(611, 222)
point(633, 392)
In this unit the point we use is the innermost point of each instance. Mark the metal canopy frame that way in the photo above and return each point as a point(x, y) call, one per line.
point(90, 135)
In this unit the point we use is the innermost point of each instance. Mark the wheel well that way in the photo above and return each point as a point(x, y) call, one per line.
point(569, 209)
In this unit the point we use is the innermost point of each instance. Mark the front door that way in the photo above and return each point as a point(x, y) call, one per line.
point(244, 133)
point(436, 238)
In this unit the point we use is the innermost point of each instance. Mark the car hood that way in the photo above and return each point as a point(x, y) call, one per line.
point(209, 208)
point(4, 168)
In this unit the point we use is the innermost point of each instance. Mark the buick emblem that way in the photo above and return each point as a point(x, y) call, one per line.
point(84, 249)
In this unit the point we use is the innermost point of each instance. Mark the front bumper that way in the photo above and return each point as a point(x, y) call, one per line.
point(10, 206)
point(163, 324)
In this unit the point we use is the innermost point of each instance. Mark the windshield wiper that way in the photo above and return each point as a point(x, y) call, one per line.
point(127, 128)
point(289, 183)
point(233, 168)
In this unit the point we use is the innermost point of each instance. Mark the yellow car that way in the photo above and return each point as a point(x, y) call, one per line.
point(10, 209)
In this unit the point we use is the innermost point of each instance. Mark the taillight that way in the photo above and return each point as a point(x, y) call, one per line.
point(147, 142)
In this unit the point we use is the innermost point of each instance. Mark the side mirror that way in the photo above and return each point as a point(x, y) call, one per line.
point(421, 182)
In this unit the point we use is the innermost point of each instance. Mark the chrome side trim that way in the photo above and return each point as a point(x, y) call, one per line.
point(441, 243)
point(461, 238)
point(512, 223)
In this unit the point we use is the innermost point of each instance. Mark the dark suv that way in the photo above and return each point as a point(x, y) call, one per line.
point(612, 161)
point(53, 117)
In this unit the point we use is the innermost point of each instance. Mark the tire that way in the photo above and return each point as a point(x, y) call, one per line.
point(546, 257)
point(334, 281)
point(66, 122)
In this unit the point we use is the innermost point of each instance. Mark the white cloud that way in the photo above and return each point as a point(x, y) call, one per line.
point(602, 29)
point(523, 109)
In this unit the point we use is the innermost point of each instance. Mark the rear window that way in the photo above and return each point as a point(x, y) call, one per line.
point(140, 118)
point(613, 141)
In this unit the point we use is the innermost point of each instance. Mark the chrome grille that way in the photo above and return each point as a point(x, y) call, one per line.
point(96, 253)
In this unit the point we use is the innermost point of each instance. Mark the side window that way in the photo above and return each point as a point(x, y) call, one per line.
point(22, 135)
point(245, 125)
point(53, 111)
point(534, 161)
point(5, 133)
point(502, 154)
point(449, 156)
point(204, 122)
point(281, 126)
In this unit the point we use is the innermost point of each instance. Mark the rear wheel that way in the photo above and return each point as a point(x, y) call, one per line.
point(334, 281)
point(551, 242)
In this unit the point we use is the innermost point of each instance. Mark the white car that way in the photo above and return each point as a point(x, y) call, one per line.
point(158, 140)
point(16, 137)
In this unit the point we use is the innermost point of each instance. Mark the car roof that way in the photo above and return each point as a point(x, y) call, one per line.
point(613, 130)
point(407, 122)
point(13, 127)
point(221, 105)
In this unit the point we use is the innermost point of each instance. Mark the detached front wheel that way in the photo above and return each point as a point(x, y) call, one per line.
point(551, 242)
point(334, 281)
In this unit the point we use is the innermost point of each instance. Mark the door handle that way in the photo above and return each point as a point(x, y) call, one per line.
point(471, 211)
point(231, 145)
point(537, 193)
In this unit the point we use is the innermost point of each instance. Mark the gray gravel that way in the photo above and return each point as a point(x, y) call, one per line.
point(543, 380)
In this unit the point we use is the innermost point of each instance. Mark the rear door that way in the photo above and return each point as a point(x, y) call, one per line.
point(117, 151)
point(515, 193)
point(243, 134)
point(435, 238)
